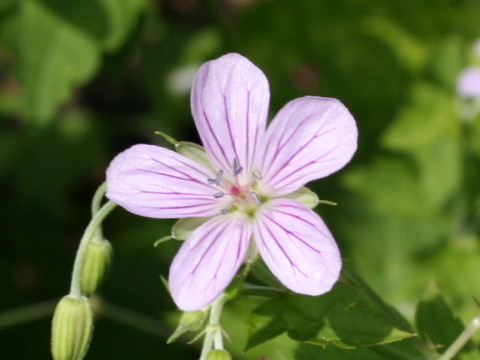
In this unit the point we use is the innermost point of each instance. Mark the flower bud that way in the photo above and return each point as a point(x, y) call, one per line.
point(72, 328)
point(189, 321)
point(193, 151)
point(96, 265)
point(219, 355)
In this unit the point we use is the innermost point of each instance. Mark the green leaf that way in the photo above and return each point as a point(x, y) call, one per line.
point(310, 352)
point(54, 57)
point(266, 323)
point(391, 186)
point(121, 18)
point(263, 273)
point(436, 323)
point(60, 46)
point(350, 315)
point(431, 116)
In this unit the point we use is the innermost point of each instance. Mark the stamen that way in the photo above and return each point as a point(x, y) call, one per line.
point(217, 180)
point(218, 195)
point(257, 174)
point(224, 211)
point(236, 169)
point(256, 198)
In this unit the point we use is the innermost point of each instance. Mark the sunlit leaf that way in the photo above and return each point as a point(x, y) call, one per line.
point(437, 324)
point(348, 316)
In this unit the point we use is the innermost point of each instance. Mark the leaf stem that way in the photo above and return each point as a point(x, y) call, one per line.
point(466, 335)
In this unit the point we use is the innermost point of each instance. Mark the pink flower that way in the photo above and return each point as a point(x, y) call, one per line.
point(469, 83)
point(244, 191)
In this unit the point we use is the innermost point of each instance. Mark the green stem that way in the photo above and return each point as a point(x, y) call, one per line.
point(26, 314)
point(259, 290)
point(213, 332)
point(96, 203)
point(75, 287)
point(466, 335)
point(133, 319)
point(97, 198)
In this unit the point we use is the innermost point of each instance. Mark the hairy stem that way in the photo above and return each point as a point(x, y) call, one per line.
point(213, 332)
point(75, 286)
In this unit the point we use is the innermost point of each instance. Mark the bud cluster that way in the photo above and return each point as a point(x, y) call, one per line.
point(72, 324)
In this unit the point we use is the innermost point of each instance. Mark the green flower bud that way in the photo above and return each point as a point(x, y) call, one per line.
point(189, 321)
point(192, 320)
point(183, 228)
point(96, 266)
point(219, 355)
point(194, 152)
point(305, 196)
point(72, 328)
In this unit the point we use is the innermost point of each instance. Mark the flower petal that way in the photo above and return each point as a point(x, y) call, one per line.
point(310, 138)
point(152, 181)
point(229, 101)
point(468, 84)
point(208, 260)
point(297, 247)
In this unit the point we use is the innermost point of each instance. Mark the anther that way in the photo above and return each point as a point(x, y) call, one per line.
point(218, 195)
point(236, 169)
point(257, 174)
point(224, 211)
point(256, 198)
point(217, 180)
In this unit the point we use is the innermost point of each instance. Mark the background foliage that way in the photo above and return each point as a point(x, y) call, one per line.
point(81, 80)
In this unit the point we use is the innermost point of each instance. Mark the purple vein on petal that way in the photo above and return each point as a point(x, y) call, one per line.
point(280, 247)
point(212, 151)
point(228, 123)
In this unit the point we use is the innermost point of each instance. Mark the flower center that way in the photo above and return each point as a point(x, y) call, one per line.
point(235, 191)
point(241, 197)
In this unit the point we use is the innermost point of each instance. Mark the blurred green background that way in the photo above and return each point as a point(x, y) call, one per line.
point(81, 80)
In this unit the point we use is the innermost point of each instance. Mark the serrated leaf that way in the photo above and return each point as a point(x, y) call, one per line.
point(348, 316)
point(436, 323)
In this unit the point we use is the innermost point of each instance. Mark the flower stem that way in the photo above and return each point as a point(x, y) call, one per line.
point(75, 286)
point(97, 198)
point(96, 203)
point(213, 332)
point(462, 339)
point(26, 314)
point(133, 319)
